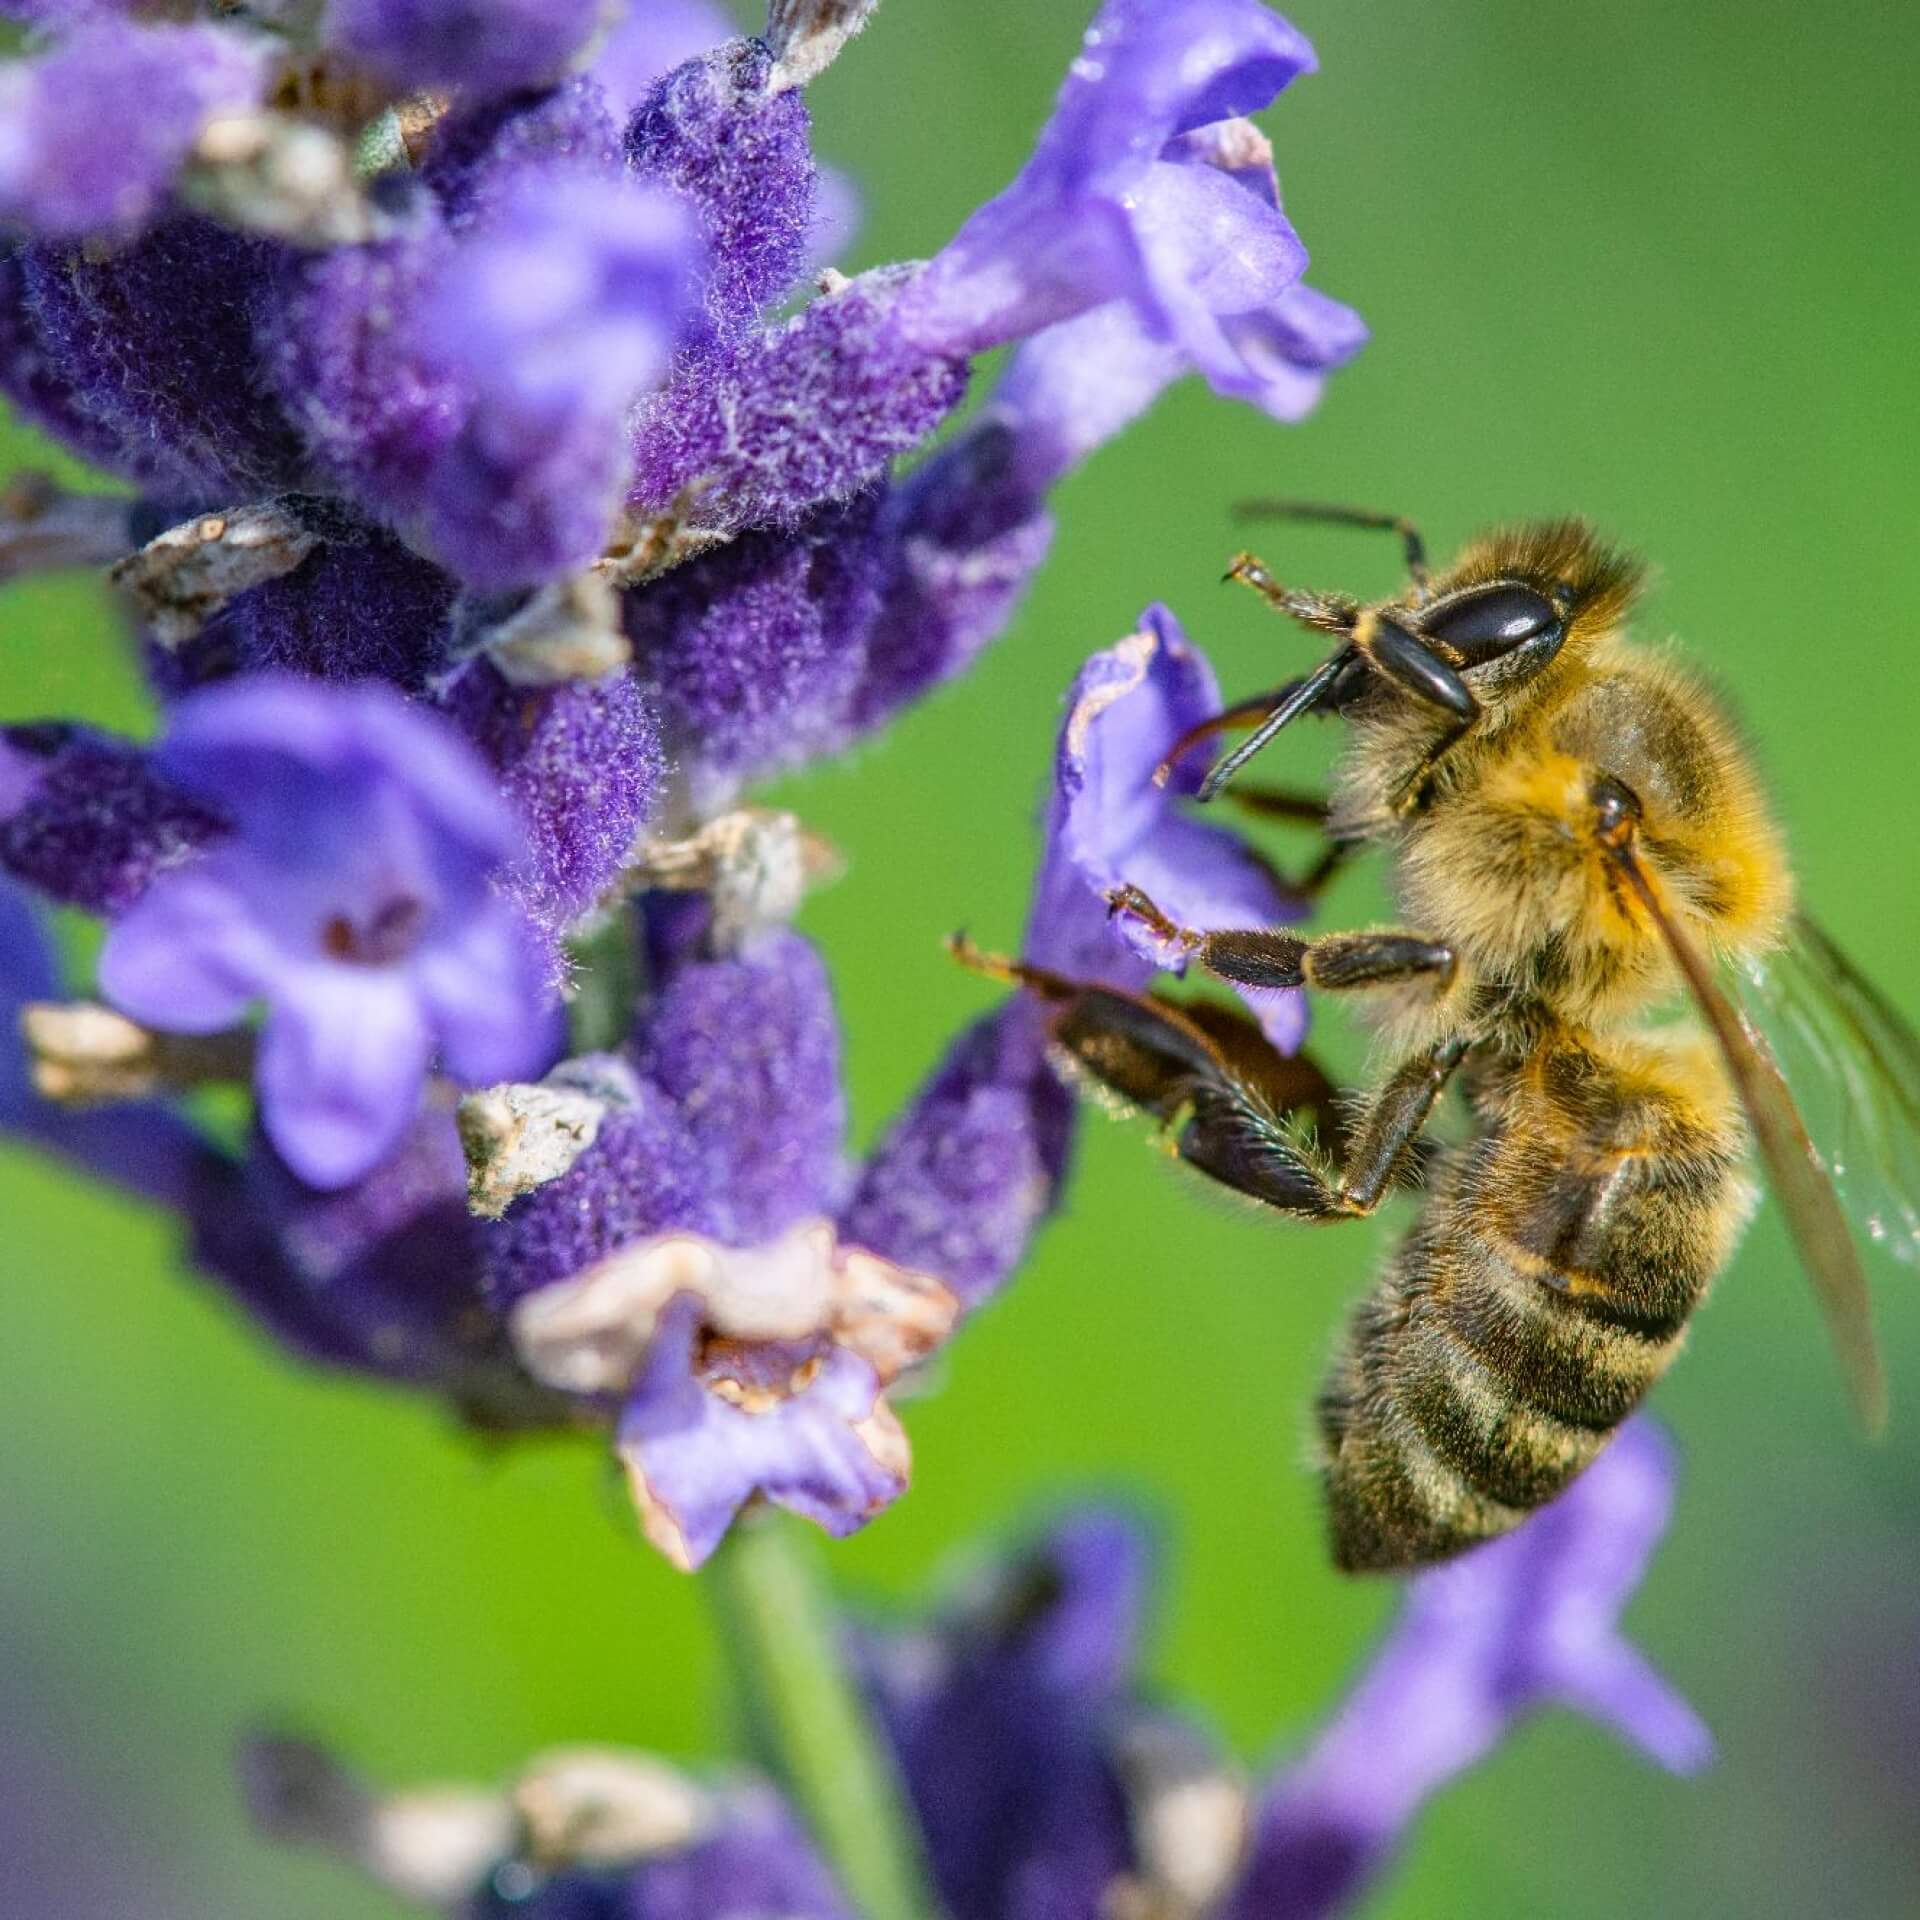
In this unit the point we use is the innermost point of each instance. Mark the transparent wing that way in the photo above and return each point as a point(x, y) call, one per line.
point(1800, 1178)
point(1854, 1065)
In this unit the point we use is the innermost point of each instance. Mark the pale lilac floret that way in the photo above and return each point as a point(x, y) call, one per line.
point(355, 898)
point(1530, 1621)
point(1112, 825)
point(1108, 208)
point(554, 313)
point(61, 173)
point(711, 1422)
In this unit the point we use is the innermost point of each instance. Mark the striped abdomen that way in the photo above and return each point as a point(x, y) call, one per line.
point(1546, 1287)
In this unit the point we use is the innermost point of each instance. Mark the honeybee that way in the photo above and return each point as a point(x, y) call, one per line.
point(1575, 834)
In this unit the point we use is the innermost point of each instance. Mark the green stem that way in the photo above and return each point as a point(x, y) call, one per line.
point(784, 1642)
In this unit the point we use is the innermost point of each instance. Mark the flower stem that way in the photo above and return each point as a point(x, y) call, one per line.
point(804, 1712)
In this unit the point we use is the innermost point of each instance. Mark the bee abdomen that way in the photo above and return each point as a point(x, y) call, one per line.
point(1547, 1289)
point(1434, 1438)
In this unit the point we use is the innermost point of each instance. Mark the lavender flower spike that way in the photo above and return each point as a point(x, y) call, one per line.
point(1111, 824)
point(355, 897)
point(1526, 1622)
point(1109, 207)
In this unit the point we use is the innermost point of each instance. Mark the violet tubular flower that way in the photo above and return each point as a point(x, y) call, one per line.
point(354, 896)
point(1523, 1623)
point(1112, 209)
point(1112, 824)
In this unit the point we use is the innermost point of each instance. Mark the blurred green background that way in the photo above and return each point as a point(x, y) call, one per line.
point(1651, 263)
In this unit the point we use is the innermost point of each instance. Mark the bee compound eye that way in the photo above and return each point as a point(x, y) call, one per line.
point(1492, 622)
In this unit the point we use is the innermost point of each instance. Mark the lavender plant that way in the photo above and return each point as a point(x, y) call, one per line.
point(507, 484)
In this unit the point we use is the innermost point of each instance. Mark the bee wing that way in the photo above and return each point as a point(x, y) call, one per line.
point(1854, 1064)
point(1800, 1179)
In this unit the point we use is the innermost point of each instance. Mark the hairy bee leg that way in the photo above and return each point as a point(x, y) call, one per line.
point(1260, 957)
point(1323, 612)
point(1234, 1139)
point(1393, 1122)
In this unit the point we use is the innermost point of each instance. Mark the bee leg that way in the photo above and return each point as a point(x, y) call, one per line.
point(1262, 957)
point(1390, 1129)
point(1323, 612)
point(1235, 1139)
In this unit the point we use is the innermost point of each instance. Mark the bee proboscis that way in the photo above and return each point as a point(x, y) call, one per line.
point(1575, 834)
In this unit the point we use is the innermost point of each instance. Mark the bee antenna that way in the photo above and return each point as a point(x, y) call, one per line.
point(1411, 543)
point(1303, 697)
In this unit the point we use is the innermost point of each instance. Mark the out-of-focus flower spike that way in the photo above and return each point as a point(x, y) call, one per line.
point(354, 896)
point(486, 47)
point(1000, 1712)
point(582, 1834)
point(438, 1846)
point(146, 1150)
point(1527, 1622)
point(45, 528)
point(156, 87)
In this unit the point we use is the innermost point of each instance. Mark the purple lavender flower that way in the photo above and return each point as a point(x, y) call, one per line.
point(1526, 1622)
point(686, 1266)
point(966, 1176)
point(354, 898)
point(89, 820)
point(154, 348)
point(486, 46)
point(1112, 208)
point(555, 311)
point(1111, 825)
point(738, 154)
point(156, 87)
